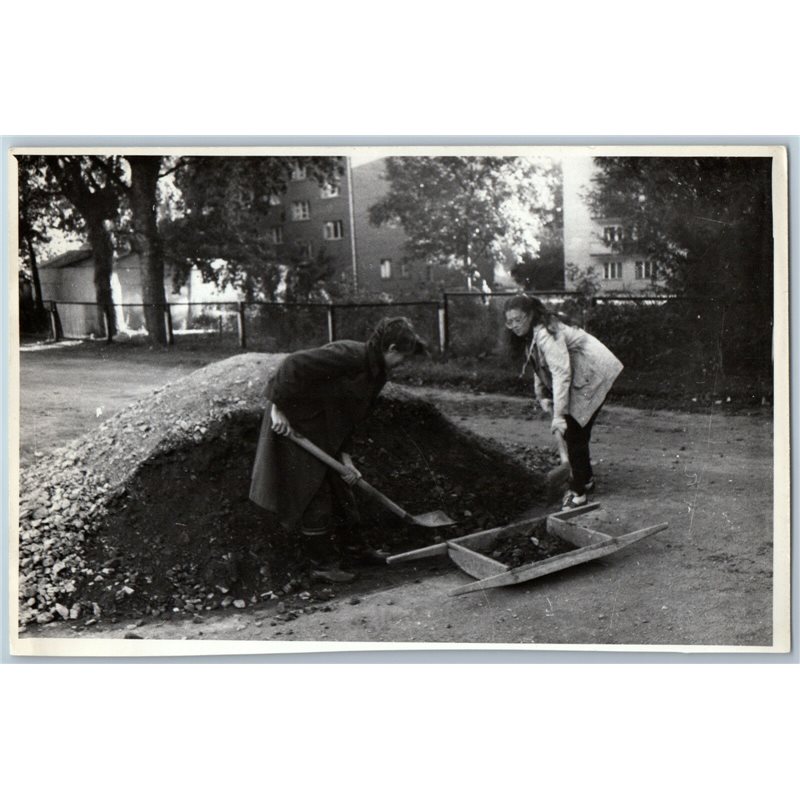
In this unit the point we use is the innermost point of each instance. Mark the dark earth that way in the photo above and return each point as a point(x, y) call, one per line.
point(707, 580)
point(516, 549)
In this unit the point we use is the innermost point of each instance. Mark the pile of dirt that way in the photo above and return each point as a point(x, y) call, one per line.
point(150, 513)
point(537, 544)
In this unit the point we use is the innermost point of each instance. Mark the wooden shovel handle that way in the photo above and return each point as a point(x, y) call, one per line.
point(343, 470)
point(563, 453)
point(318, 452)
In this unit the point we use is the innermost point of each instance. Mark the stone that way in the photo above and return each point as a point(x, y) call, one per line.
point(63, 611)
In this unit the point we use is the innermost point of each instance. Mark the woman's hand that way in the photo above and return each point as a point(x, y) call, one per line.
point(353, 474)
point(559, 424)
point(280, 424)
point(546, 404)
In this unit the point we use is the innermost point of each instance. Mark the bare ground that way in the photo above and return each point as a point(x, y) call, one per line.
point(706, 580)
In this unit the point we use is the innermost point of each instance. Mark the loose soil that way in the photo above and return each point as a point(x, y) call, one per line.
point(706, 580)
point(150, 513)
point(516, 549)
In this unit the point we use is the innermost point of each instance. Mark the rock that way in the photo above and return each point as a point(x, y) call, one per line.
point(63, 611)
point(132, 635)
point(354, 601)
point(239, 603)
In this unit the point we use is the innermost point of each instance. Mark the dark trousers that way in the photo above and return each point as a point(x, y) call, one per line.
point(330, 520)
point(577, 440)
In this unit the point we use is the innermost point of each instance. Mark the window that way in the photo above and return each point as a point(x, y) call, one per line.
point(298, 173)
point(329, 190)
point(304, 249)
point(429, 272)
point(612, 270)
point(386, 268)
point(612, 233)
point(333, 230)
point(274, 199)
point(404, 271)
point(301, 209)
point(276, 234)
point(645, 269)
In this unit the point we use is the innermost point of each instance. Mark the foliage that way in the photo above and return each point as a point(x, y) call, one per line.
point(464, 210)
point(545, 270)
point(707, 224)
point(222, 230)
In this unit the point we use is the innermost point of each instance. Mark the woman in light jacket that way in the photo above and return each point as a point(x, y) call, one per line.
point(573, 373)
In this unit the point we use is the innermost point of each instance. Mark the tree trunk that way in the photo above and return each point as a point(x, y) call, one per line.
point(103, 254)
point(37, 286)
point(147, 243)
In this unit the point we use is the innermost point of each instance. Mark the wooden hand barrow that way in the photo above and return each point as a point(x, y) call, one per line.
point(469, 552)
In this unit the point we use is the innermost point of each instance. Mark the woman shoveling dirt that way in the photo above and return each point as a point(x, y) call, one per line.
point(323, 394)
point(573, 373)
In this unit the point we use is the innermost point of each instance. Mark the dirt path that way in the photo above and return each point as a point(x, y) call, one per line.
point(67, 390)
point(706, 580)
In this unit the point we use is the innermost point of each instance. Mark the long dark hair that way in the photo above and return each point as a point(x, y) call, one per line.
point(540, 315)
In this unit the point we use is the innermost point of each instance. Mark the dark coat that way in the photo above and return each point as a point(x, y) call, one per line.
point(325, 393)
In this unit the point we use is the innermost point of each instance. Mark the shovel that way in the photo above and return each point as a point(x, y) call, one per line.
point(559, 474)
point(431, 519)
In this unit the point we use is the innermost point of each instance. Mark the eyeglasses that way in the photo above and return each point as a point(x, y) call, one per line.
point(513, 322)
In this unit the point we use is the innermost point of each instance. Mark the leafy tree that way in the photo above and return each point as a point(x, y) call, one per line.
point(223, 228)
point(95, 187)
point(545, 270)
point(707, 223)
point(463, 211)
point(36, 217)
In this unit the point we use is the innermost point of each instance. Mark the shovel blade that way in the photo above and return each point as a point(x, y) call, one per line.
point(432, 519)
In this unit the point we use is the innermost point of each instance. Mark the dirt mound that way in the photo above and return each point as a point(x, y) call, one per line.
point(150, 513)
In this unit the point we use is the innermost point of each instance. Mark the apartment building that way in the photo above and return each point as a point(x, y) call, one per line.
point(589, 241)
point(309, 221)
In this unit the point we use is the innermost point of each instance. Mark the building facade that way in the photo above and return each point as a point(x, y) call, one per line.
point(589, 241)
point(311, 222)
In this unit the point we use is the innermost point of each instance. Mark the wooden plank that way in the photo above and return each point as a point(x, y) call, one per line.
point(486, 538)
point(424, 552)
point(574, 512)
point(475, 564)
point(574, 533)
point(528, 572)
point(636, 536)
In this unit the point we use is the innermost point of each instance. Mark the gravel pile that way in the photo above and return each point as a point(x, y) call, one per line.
point(68, 495)
point(149, 514)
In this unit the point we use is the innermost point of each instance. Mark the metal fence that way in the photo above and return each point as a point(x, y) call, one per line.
point(642, 330)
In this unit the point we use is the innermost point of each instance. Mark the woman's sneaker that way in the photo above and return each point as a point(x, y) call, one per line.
point(572, 500)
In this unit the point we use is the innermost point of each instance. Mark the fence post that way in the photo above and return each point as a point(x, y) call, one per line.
point(331, 324)
point(168, 321)
point(242, 332)
point(444, 333)
point(107, 311)
point(55, 322)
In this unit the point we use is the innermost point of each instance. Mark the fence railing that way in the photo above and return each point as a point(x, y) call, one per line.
point(453, 322)
point(643, 330)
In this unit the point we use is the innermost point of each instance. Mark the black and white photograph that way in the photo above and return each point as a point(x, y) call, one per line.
point(307, 399)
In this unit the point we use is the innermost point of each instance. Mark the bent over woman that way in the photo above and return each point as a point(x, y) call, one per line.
point(323, 394)
point(573, 373)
